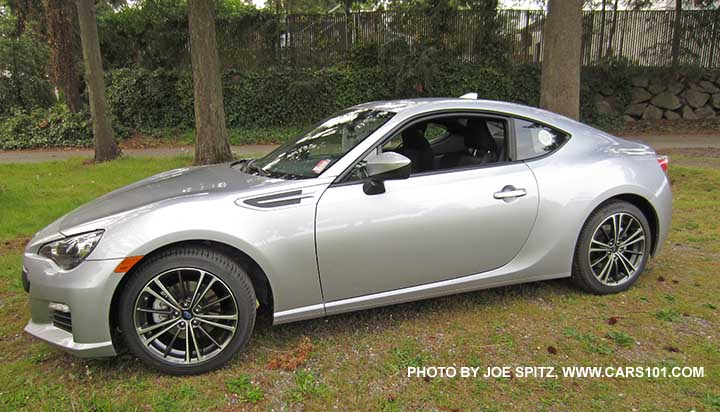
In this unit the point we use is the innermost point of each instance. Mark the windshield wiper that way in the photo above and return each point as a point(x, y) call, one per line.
point(252, 168)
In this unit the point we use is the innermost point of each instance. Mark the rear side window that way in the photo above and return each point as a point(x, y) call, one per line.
point(435, 132)
point(534, 140)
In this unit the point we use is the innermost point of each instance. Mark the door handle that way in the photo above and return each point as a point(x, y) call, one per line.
point(509, 192)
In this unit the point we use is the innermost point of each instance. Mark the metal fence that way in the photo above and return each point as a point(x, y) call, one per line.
point(643, 37)
point(646, 37)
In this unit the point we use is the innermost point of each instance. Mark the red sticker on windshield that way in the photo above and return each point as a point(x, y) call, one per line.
point(320, 166)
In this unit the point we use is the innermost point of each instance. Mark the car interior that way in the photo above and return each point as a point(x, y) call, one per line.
point(451, 142)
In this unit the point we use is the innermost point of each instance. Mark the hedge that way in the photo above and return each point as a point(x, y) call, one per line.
point(45, 128)
point(147, 100)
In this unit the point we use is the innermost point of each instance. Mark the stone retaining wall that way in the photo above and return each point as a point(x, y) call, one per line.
point(654, 99)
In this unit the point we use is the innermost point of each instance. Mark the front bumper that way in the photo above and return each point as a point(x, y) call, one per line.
point(65, 341)
point(86, 290)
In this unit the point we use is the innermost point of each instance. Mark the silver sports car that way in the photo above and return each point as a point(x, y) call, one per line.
point(382, 203)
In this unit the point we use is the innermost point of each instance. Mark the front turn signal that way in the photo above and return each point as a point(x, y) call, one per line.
point(127, 264)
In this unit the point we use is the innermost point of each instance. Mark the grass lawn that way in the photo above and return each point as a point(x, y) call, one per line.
point(358, 361)
point(33, 195)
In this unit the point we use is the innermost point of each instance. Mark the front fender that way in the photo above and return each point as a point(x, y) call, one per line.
point(282, 242)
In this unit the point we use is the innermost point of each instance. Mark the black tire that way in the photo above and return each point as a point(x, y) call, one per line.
point(233, 278)
point(582, 273)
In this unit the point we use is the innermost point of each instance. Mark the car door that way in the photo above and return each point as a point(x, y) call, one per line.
point(424, 229)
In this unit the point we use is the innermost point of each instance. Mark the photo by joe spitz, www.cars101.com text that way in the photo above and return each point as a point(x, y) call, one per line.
point(382, 203)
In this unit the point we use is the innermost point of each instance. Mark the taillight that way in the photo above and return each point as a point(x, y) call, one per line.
point(663, 162)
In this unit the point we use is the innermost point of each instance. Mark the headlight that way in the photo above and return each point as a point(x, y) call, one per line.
point(70, 252)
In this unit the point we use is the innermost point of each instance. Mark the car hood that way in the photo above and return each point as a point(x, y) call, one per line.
point(167, 185)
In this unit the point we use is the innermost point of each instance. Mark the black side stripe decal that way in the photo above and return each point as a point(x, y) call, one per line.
point(268, 201)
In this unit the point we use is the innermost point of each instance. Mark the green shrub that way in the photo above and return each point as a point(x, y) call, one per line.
point(273, 104)
point(150, 99)
point(45, 128)
point(525, 87)
point(23, 61)
point(141, 98)
point(612, 77)
point(53, 127)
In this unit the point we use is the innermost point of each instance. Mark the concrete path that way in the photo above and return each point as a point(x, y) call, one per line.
point(658, 142)
point(661, 142)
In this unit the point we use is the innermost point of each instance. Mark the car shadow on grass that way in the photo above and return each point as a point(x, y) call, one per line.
point(268, 340)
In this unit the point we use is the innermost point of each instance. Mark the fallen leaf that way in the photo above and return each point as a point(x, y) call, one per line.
point(660, 279)
point(293, 358)
point(612, 320)
point(551, 350)
point(671, 348)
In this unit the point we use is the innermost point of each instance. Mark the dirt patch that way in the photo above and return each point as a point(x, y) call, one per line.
point(294, 358)
point(13, 245)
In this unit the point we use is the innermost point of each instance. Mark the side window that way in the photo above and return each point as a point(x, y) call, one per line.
point(393, 144)
point(533, 139)
point(435, 132)
point(447, 142)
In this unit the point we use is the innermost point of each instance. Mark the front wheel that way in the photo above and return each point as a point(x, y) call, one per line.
point(612, 249)
point(187, 310)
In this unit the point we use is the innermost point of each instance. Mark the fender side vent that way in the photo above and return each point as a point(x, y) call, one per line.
point(277, 200)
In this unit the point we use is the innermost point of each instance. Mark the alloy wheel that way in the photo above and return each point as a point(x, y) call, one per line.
point(617, 249)
point(185, 316)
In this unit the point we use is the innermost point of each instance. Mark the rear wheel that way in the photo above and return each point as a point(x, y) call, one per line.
point(612, 249)
point(187, 310)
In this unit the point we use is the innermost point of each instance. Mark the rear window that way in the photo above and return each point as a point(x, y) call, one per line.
point(534, 140)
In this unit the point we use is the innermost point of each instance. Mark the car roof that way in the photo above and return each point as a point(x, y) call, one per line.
point(412, 107)
point(419, 105)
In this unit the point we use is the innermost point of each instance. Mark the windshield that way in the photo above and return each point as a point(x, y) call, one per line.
point(311, 153)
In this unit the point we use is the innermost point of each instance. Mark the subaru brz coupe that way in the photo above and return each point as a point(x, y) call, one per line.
point(382, 203)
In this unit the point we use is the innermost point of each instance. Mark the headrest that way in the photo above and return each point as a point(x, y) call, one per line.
point(478, 136)
point(414, 136)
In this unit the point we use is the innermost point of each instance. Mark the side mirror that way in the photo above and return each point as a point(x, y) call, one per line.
point(385, 166)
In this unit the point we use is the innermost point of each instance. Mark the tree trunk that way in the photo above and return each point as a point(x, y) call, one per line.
point(105, 146)
point(613, 28)
point(526, 38)
point(677, 32)
point(64, 50)
point(211, 137)
point(560, 78)
point(602, 31)
point(347, 8)
point(713, 41)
